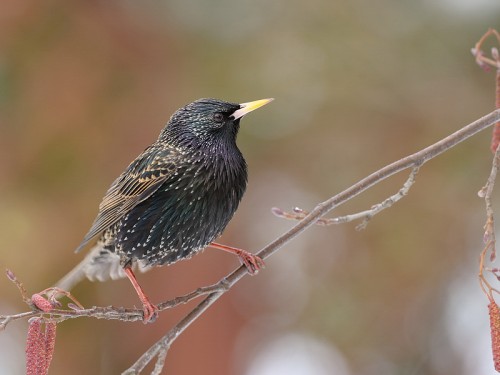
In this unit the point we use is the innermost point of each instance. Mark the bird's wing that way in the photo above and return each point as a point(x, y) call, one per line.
point(139, 181)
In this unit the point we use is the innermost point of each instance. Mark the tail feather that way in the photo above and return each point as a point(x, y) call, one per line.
point(99, 265)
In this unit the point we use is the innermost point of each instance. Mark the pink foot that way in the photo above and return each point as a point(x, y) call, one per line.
point(150, 312)
point(252, 262)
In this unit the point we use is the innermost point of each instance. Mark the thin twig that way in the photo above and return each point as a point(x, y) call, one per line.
point(6, 319)
point(486, 63)
point(299, 214)
point(109, 312)
point(415, 160)
point(483, 61)
point(489, 227)
point(389, 201)
point(160, 361)
point(166, 341)
point(22, 290)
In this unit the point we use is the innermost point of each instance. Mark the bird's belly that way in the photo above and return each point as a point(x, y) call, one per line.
point(174, 225)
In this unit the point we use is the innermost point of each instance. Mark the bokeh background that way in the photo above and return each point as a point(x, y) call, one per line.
point(85, 86)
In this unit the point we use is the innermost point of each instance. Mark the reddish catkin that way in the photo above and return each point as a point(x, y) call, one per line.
point(495, 332)
point(35, 347)
point(50, 342)
point(41, 302)
point(40, 346)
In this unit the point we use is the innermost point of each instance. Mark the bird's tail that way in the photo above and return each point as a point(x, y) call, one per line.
point(99, 264)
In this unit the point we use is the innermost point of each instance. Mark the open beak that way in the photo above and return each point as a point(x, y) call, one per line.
point(249, 107)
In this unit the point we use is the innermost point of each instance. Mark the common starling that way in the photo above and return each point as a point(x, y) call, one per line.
point(175, 198)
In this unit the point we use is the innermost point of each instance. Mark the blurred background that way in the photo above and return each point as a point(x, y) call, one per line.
point(85, 86)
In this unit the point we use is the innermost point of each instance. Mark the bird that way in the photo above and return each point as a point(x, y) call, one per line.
point(173, 200)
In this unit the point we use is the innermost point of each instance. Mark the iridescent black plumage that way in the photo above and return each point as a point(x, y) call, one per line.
point(178, 195)
point(173, 200)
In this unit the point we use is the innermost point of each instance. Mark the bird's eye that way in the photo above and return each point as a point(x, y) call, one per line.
point(218, 117)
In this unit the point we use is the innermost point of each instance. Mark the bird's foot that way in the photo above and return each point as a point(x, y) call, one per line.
point(252, 262)
point(150, 312)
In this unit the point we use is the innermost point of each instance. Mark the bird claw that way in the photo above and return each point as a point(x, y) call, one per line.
point(150, 312)
point(252, 262)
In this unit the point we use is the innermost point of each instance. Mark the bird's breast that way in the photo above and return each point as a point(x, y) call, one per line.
point(188, 211)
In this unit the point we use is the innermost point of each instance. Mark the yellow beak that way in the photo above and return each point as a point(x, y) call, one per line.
point(249, 107)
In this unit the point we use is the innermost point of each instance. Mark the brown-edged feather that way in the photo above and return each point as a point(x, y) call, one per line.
point(141, 179)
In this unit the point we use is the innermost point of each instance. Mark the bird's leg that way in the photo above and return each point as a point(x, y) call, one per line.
point(252, 262)
point(150, 310)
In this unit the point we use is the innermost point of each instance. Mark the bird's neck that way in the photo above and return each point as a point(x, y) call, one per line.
point(220, 154)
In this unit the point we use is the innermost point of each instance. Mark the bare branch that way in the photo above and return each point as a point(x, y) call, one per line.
point(299, 214)
point(489, 228)
point(159, 349)
point(486, 63)
point(109, 312)
point(481, 59)
point(412, 161)
point(490, 243)
point(160, 361)
point(22, 290)
point(166, 341)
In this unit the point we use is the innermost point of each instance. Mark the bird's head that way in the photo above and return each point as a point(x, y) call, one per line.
point(207, 122)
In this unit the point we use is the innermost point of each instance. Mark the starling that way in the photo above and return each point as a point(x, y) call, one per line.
point(175, 198)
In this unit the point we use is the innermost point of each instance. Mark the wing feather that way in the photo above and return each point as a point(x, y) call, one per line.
point(139, 181)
